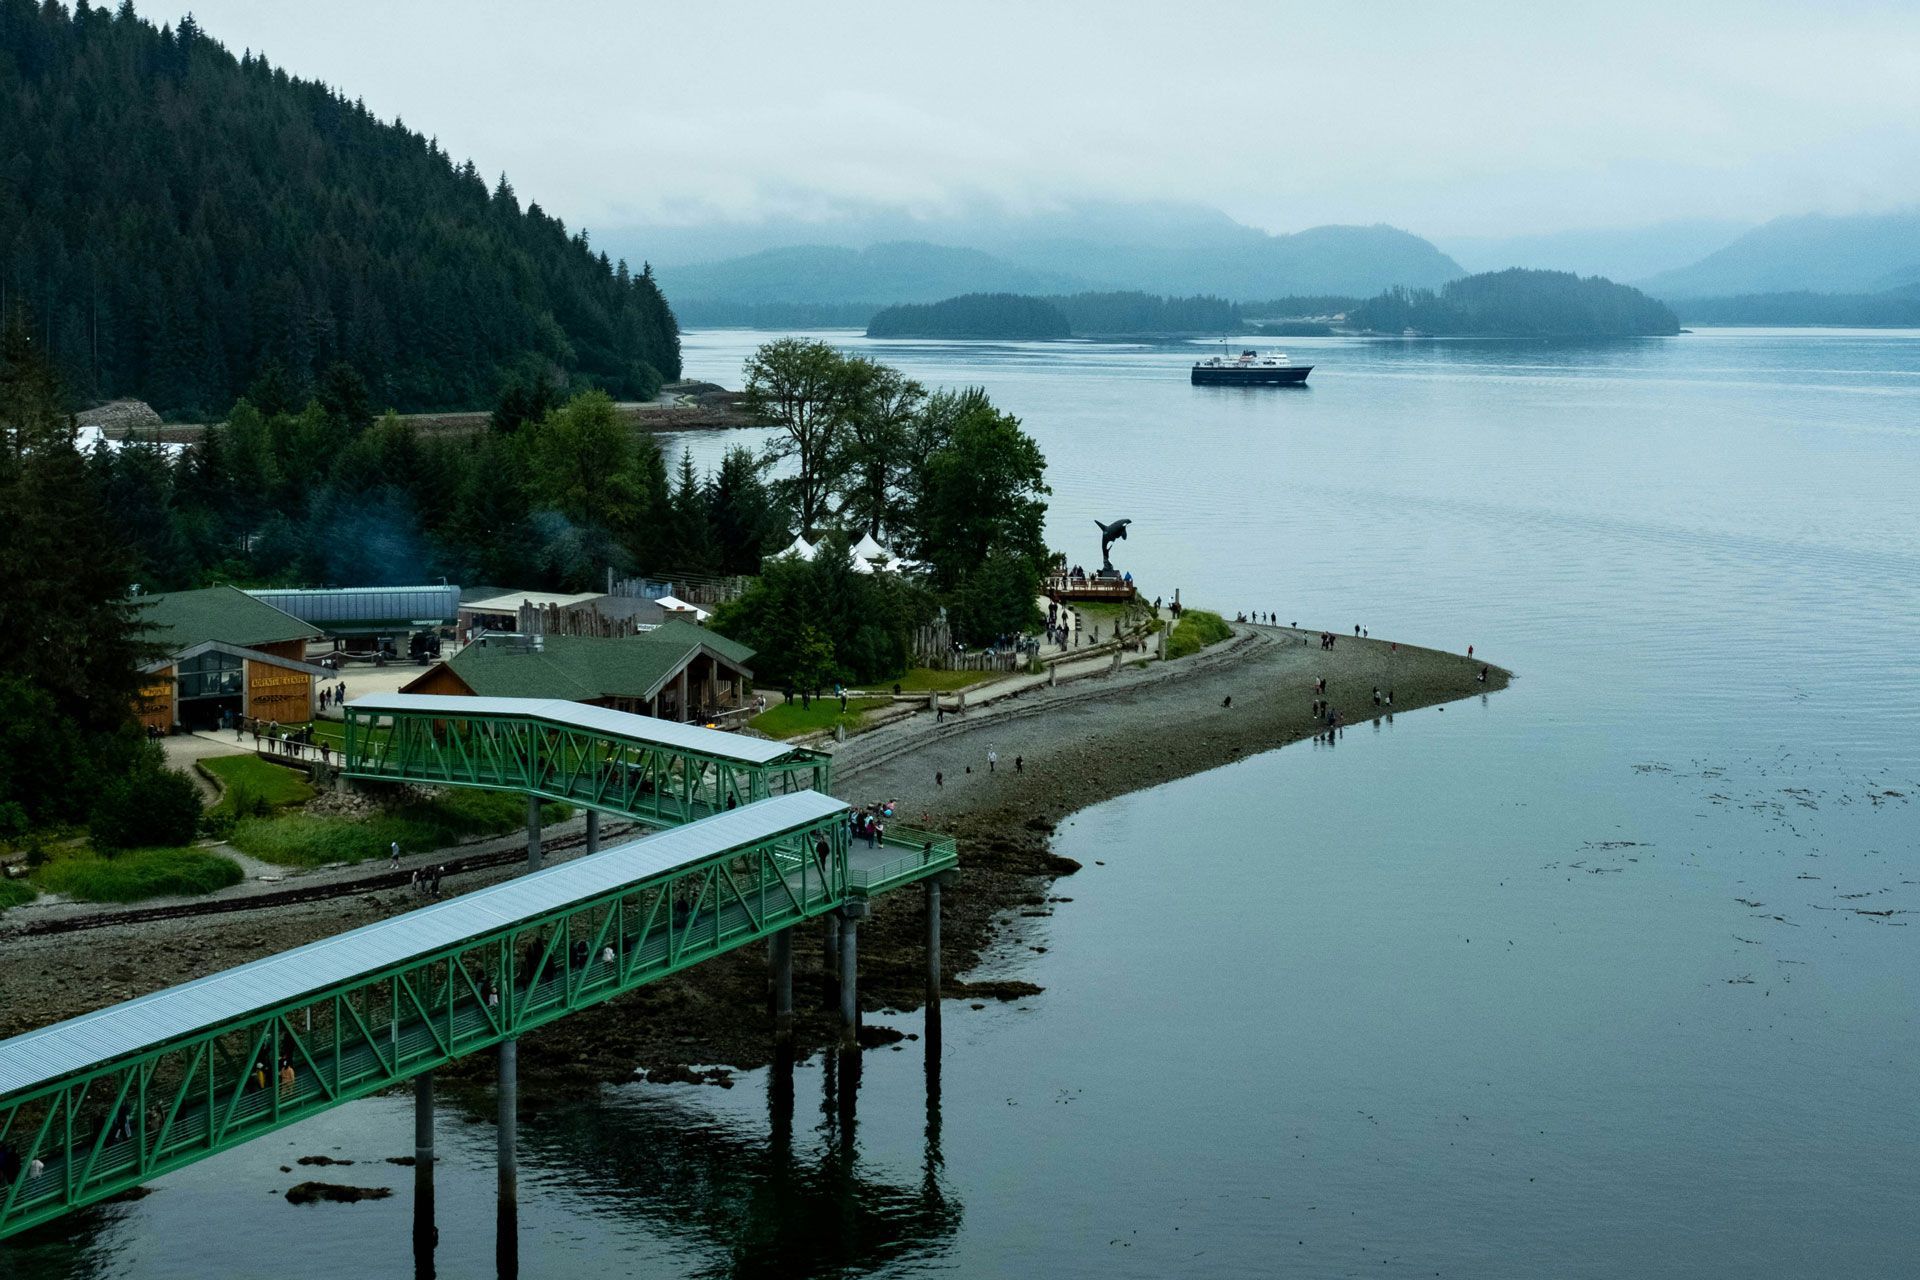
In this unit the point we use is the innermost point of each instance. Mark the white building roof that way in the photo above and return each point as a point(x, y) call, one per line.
point(676, 605)
point(622, 724)
point(512, 600)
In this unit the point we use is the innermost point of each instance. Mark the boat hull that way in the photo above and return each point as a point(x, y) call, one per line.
point(1291, 376)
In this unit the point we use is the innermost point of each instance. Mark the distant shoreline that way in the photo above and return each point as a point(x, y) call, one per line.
point(686, 405)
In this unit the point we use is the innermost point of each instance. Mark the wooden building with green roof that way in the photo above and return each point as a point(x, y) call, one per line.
point(225, 654)
point(677, 671)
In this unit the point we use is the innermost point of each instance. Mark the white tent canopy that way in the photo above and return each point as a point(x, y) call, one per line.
point(868, 549)
point(799, 547)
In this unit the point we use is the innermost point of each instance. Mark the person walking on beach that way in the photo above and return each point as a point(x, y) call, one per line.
point(1019, 764)
point(993, 757)
point(939, 778)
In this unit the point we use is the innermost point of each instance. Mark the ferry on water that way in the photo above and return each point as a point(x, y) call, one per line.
point(1251, 369)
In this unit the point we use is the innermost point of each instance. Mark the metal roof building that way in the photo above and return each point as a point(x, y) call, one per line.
point(121, 1030)
point(350, 611)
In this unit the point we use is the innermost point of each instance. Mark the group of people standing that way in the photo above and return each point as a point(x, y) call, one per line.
point(870, 823)
point(426, 880)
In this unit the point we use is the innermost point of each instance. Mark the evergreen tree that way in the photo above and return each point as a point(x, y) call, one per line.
point(71, 662)
point(747, 523)
point(693, 544)
point(180, 221)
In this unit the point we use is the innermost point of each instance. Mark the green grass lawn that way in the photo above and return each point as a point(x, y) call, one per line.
point(14, 893)
point(791, 720)
point(133, 874)
point(1104, 612)
point(241, 777)
point(1196, 630)
point(923, 680)
point(312, 840)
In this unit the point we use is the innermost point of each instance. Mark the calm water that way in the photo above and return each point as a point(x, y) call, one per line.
point(1478, 993)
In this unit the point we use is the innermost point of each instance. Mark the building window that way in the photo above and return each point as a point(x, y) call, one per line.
point(212, 675)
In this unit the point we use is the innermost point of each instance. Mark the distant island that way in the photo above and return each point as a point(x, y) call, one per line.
point(973, 315)
point(1888, 309)
point(1517, 303)
point(1073, 315)
point(1500, 304)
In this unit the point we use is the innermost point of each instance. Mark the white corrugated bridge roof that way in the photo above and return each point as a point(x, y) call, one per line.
point(624, 724)
point(231, 995)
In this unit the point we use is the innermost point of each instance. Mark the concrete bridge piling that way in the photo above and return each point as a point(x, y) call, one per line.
point(850, 917)
point(780, 947)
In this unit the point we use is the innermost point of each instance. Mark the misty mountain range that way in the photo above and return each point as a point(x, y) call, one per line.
point(884, 257)
point(1170, 249)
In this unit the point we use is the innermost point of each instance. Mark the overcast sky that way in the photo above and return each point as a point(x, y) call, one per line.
point(1445, 119)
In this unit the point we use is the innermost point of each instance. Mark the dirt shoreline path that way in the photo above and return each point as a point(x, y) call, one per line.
point(1078, 744)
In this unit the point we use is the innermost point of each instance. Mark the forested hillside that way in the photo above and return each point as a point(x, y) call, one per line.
point(973, 315)
point(1857, 253)
point(176, 221)
point(1518, 303)
point(1146, 313)
point(1893, 308)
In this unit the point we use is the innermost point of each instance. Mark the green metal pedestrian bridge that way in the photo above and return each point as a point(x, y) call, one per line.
point(94, 1105)
point(655, 771)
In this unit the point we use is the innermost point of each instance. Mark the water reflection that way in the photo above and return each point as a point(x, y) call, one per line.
point(783, 1205)
point(426, 1232)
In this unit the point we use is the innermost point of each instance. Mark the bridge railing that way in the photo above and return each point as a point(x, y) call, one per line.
point(92, 1134)
point(908, 854)
point(653, 782)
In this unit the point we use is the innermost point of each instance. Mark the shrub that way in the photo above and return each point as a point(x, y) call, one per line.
point(133, 874)
point(1196, 629)
point(15, 892)
point(311, 840)
point(148, 805)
